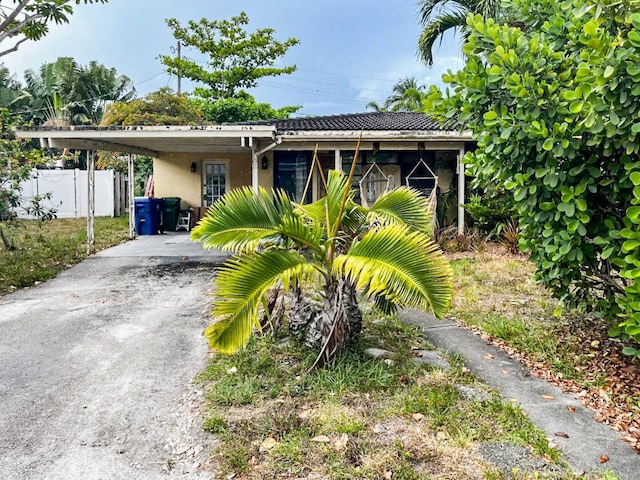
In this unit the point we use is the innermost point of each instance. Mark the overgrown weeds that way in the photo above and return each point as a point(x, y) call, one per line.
point(43, 249)
point(496, 293)
point(365, 417)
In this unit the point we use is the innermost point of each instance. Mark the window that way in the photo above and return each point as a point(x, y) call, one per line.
point(215, 182)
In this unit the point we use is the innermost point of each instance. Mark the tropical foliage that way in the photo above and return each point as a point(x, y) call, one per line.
point(440, 16)
point(407, 96)
point(162, 107)
point(236, 59)
point(385, 251)
point(240, 108)
point(13, 96)
point(29, 19)
point(64, 92)
point(17, 163)
point(554, 105)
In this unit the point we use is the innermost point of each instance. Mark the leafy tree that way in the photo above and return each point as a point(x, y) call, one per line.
point(65, 92)
point(237, 59)
point(440, 16)
point(12, 94)
point(407, 96)
point(17, 160)
point(162, 107)
point(384, 250)
point(241, 108)
point(554, 106)
point(29, 19)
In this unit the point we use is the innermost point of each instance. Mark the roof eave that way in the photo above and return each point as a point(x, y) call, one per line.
point(373, 135)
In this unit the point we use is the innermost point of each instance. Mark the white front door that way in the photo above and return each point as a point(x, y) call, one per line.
point(216, 182)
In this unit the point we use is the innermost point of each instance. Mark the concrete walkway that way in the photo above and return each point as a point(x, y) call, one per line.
point(588, 440)
point(96, 365)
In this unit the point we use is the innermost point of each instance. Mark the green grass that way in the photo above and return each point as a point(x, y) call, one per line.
point(362, 418)
point(44, 249)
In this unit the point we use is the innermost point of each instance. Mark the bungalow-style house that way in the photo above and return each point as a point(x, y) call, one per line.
point(200, 163)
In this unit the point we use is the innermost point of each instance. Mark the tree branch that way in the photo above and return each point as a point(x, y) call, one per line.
point(13, 15)
point(18, 27)
point(14, 48)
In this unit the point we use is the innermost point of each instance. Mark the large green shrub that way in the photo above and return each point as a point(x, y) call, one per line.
point(555, 104)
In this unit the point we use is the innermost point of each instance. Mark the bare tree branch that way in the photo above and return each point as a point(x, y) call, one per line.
point(14, 48)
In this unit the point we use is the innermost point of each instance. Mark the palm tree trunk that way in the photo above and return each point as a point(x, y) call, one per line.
point(332, 324)
point(352, 310)
point(302, 313)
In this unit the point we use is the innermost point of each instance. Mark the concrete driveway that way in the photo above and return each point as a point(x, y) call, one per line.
point(96, 364)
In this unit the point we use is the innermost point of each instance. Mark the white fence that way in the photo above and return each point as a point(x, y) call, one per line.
point(69, 192)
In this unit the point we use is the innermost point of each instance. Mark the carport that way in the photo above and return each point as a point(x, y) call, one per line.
point(199, 164)
point(152, 141)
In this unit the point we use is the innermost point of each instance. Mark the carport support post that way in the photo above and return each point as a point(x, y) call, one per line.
point(131, 186)
point(461, 182)
point(254, 169)
point(91, 179)
point(338, 160)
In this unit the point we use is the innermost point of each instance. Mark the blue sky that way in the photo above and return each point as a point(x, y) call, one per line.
point(350, 52)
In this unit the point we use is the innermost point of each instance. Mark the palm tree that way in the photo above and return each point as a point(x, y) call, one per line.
point(407, 96)
point(385, 251)
point(12, 95)
point(66, 92)
point(440, 16)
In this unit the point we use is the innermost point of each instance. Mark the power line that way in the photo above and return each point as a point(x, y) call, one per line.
point(332, 84)
point(342, 74)
point(309, 91)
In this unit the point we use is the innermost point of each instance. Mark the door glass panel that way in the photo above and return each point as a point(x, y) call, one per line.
point(215, 182)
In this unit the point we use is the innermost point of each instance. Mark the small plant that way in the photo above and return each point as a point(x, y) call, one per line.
point(451, 241)
point(509, 235)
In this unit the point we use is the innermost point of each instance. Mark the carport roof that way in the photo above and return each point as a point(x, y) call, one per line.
point(156, 140)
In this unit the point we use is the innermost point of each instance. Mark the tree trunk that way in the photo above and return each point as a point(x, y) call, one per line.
point(332, 324)
point(352, 310)
point(302, 313)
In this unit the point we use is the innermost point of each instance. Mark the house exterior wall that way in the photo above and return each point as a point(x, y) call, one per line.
point(173, 177)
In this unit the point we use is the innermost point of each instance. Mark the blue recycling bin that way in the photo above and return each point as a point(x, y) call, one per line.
point(149, 215)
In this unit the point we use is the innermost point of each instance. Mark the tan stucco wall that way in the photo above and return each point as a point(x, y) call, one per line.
point(173, 177)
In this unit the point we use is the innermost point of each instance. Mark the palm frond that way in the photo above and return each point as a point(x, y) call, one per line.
point(337, 185)
point(303, 234)
point(403, 205)
point(354, 217)
point(241, 219)
point(241, 286)
point(434, 30)
point(315, 211)
point(404, 266)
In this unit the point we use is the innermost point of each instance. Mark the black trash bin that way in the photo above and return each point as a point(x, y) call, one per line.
point(171, 213)
point(149, 214)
